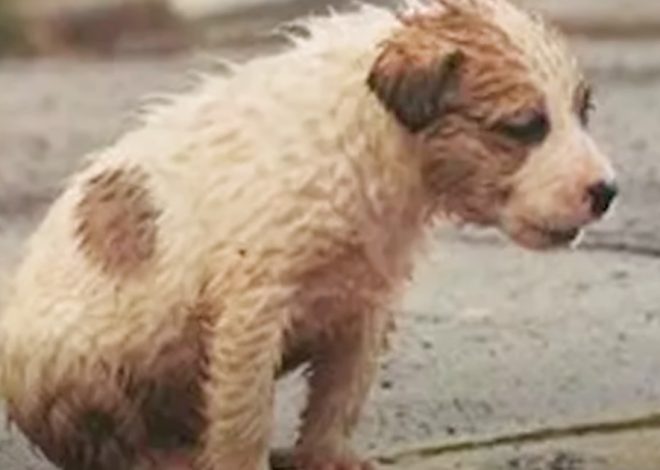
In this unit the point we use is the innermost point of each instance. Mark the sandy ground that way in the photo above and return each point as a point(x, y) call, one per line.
point(493, 340)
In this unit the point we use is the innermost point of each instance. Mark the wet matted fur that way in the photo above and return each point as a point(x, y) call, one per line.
point(270, 219)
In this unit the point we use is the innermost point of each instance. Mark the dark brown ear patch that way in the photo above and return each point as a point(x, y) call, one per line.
point(118, 221)
point(415, 92)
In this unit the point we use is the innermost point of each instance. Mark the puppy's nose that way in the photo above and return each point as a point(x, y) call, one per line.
point(601, 196)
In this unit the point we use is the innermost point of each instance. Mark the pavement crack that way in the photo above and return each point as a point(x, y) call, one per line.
point(281, 459)
point(534, 436)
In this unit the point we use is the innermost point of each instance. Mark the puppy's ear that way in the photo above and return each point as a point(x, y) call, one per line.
point(415, 88)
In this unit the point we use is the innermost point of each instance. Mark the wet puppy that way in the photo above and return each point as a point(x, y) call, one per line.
point(269, 219)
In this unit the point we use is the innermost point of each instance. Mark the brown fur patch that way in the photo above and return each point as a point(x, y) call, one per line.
point(414, 91)
point(110, 416)
point(117, 221)
point(169, 390)
point(462, 118)
point(436, 63)
point(468, 168)
point(82, 425)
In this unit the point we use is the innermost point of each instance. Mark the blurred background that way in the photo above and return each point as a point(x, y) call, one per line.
point(45, 27)
point(493, 340)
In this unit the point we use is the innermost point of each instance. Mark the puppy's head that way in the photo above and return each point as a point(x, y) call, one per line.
point(498, 111)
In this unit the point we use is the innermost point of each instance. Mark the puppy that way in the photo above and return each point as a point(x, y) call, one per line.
point(268, 221)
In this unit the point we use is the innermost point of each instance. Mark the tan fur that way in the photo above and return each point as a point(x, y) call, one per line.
point(270, 219)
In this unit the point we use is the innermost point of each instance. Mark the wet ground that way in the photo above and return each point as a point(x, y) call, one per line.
point(495, 343)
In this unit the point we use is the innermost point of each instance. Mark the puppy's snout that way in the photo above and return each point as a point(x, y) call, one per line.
point(601, 195)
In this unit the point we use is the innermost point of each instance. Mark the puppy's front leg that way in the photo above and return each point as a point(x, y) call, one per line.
point(340, 377)
point(244, 355)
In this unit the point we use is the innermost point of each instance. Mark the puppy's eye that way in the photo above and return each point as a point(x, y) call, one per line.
point(586, 106)
point(528, 128)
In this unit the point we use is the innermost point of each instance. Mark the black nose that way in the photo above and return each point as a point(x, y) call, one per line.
point(601, 195)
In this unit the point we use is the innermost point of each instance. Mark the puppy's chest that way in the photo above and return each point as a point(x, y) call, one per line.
point(333, 298)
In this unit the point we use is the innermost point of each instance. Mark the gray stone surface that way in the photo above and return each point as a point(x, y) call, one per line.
point(493, 339)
